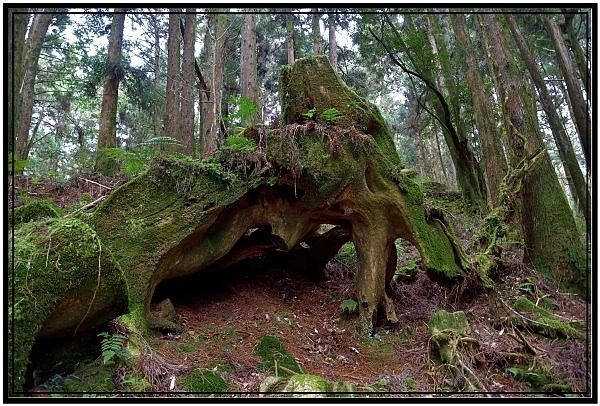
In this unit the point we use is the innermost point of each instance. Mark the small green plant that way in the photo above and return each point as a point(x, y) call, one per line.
point(331, 115)
point(411, 383)
point(246, 110)
point(16, 164)
point(349, 306)
point(310, 113)
point(347, 254)
point(240, 144)
point(113, 349)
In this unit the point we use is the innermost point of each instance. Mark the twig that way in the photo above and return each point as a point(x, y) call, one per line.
point(87, 206)
point(95, 183)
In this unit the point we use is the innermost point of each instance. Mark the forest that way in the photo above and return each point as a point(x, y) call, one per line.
point(274, 203)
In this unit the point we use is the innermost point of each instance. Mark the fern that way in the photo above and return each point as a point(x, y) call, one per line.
point(161, 140)
point(331, 115)
point(349, 306)
point(246, 110)
point(112, 346)
point(310, 113)
point(240, 144)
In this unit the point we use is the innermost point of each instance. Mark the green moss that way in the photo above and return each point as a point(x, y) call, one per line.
point(547, 323)
point(35, 210)
point(204, 382)
point(90, 378)
point(53, 280)
point(186, 348)
point(275, 357)
point(538, 377)
point(444, 328)
point(307, 383)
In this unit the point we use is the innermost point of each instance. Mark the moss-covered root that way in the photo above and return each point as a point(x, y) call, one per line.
point(454, 347)
point(373, 250)
point(63, 280)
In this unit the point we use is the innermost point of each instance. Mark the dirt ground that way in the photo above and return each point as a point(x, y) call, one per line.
point(224, 317)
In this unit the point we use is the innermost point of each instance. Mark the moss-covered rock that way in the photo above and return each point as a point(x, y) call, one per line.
point(314, 385)
point(34, 210)
point(63, 280)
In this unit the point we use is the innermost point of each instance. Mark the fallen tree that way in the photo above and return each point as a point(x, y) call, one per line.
point(331, 162)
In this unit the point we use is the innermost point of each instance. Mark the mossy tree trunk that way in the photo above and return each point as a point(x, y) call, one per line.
point(570, 163)
point(107, 133)
point(552, 244)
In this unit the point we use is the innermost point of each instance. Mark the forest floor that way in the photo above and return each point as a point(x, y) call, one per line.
point(226, 315)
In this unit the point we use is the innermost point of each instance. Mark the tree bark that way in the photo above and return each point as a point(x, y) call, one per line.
point(25, 92)
point(157, 107)
point(248, 64)
point(333, 55)
point(17, 28)
point(289, 37)
point(208, 138)
point(107, 133)
point(578, 103)
point(493, 155)
point(218, 72)
point(173, 93)
point(187, 83)
point(316, 32)
point(545, 214)
point(565, 149)
point(580, 55)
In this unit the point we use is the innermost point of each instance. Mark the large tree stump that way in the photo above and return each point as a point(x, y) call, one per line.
point(337, 165)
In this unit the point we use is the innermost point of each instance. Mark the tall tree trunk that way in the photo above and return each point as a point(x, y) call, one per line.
point(468, 172)
point(552, 244)
point(208, 136)
point(580, 55)
point(289, 37)
point(493, 155)
point(218, 72)
point(316, 32)
point(157, 107)
point(25, 92)
point(439, 153)
point(565, 149)
point(17, 28)
point(187, 83)
point(173, 93)
point(249, 63)
point(333, 55)
point(107, 133)
point(580, 110)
